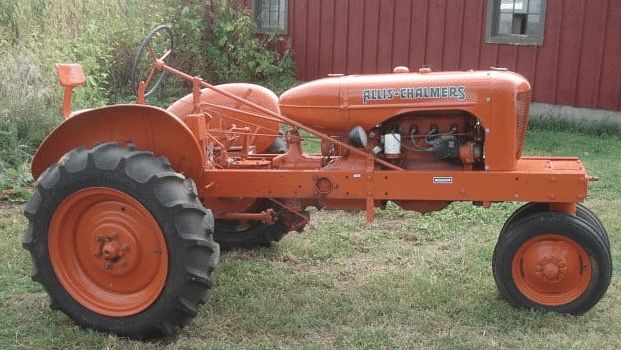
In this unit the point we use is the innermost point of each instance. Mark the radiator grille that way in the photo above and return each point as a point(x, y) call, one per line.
point(522, 106)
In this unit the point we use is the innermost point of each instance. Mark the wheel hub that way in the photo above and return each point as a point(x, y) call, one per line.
point(111, 250)
point(551, 269)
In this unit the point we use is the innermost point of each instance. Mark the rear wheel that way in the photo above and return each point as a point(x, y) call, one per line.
point(231, 234)
point(121, 242)
point(552, 262)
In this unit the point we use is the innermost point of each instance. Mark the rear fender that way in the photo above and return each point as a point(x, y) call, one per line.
point(149, 128)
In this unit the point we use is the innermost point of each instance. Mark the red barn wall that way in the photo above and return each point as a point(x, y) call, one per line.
point(579, 63)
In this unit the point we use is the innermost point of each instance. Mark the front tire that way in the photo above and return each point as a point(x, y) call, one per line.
point(552, 262)
point(121, 242)
point(582, 212)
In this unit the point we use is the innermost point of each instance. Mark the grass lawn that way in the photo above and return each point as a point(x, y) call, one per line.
point(406, 281)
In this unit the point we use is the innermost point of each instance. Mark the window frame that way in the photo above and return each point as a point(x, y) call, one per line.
point(270, 30)
point(491, 28)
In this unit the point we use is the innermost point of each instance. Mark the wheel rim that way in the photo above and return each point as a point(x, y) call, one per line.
point(108, 252)
point(551, 270)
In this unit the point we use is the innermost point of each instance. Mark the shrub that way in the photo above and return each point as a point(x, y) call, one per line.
point(26, 110)
point(217, 41)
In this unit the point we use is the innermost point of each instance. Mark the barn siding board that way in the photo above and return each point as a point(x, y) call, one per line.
point(313, 38)
point(527, 62)
point(436, 24)
point(454, 14)
point(354, 37)
point(489, 56)
point(326, 42)
point(339, 64)
point(472, 35)
point(418, 34)
point(545, 83)
point(297, 32)
point(507, 57)
point(370, 39)
point(569, 58)
point(610, 91)
point(578, 64)
point(489, 53)
point(401, 33)
point(589, 71)
point(385, 37)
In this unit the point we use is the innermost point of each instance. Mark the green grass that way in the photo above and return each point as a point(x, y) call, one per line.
point(405, 281)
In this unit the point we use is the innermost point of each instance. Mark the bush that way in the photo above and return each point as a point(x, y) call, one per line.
point(189, 24)
point(25, 118)
point(26, 110)
point(237, 55)
point(216, 40)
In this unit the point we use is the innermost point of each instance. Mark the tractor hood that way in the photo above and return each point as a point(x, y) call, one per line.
point(337, 103)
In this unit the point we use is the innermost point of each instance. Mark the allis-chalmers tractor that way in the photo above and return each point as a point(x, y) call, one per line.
point(132, 202)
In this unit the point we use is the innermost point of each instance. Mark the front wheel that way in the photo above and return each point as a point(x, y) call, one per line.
point(552, 262)
point(534, 208)
point(121, 242)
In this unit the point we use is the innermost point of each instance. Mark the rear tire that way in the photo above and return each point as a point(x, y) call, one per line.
point(121, 242)
point(552, 262)
point(233, 234)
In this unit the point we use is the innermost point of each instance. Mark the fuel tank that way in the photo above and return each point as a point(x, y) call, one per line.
point(338, 102)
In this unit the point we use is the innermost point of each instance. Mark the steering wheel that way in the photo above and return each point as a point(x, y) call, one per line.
point(160, 40)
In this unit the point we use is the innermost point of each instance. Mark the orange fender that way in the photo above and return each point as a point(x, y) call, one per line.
point(149, 128)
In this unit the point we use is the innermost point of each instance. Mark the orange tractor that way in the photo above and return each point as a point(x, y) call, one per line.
point(132, 202)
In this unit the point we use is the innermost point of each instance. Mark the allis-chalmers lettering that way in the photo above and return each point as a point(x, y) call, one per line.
point(410, 93)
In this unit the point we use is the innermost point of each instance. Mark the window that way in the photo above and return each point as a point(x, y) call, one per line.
point(518, 22)
point(271, 15)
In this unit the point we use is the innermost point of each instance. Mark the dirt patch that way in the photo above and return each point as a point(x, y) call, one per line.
point(11, 214)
